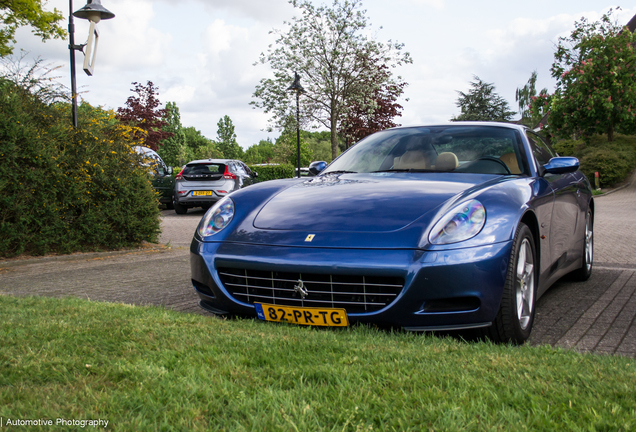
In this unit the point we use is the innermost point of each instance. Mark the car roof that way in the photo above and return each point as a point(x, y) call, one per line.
point(218, 161)
point(467, 123)
point(145, 150)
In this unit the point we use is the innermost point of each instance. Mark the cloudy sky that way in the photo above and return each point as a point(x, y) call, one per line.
point(200, 53)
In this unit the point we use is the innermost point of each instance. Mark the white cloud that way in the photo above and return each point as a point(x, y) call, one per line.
point(437, 4)
point(268, 11)
point(220, 37)
point(200, 53)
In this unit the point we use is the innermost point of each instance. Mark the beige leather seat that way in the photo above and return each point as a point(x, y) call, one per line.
point(412, 159)
point(446, 161)
point(510, 159)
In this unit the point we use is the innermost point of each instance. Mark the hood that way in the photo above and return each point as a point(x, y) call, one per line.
point(373, 203)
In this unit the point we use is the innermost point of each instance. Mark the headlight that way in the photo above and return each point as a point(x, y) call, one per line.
point(462, 222)
point(217, 218)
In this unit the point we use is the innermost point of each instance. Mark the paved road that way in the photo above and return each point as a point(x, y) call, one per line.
point(597, 315)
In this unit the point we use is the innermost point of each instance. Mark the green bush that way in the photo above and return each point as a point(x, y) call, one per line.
point(614, 161)
point(64, 190)
point(273, 172)
point(613, 164)
point(568, 147)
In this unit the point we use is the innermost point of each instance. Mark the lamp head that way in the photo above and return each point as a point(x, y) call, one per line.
point(296, 85)
point(94, 12)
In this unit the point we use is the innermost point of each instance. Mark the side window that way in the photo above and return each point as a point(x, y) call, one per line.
point(239, 169)
point(247, 169)
point(540, 149)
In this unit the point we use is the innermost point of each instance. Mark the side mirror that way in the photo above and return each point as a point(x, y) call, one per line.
point(169, 170)
point(255, 174)
point(316, 168)
point(561, 165)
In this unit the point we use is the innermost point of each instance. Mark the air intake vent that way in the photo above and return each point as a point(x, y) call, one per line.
point(356, 294)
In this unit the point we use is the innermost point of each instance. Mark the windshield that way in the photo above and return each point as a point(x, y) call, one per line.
point(208, 168)
point(453, 148)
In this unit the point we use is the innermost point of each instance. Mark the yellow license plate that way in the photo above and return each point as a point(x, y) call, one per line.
point(312, 316)
point(202, 193)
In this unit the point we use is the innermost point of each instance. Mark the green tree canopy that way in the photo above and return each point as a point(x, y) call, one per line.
point(226, 139)
point(286, 147)
point(19, 13)
point(263, 152)
point(596, 87)
point(329, 48)
point(173, 149)
point(481, 103)
point(525, 96)
point(194, 138)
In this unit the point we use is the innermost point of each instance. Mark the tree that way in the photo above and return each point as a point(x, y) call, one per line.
point(143, 111)
point(19, 13)
point(286, 147)
point(173, 149)
point(263, 152)
point(194, 138)
point(328, 47)
point(361, 121)
point(596, 87)
point(319, 144)
point(525, 96)
point(481, 103)
point(198, 146)
point(226, 139)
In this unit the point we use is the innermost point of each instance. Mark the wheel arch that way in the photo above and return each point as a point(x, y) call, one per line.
point(531, 221)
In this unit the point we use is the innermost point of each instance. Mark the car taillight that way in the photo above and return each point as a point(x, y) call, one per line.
point(179, 176)
point(228, 175)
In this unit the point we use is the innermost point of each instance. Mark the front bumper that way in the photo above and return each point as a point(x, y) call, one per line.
point(470, 280)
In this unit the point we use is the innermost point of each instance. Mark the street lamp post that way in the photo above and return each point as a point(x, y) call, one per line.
point(296, 87)
point(94, 12)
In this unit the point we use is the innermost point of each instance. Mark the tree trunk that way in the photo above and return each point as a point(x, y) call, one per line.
point(610, 133)
point(334, 134)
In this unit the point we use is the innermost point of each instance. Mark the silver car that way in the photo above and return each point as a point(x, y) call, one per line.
point(201, 183)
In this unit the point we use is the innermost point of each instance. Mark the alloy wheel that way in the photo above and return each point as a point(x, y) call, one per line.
point(525, 284)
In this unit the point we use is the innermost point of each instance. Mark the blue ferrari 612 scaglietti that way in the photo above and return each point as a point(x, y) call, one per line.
point(445, 227)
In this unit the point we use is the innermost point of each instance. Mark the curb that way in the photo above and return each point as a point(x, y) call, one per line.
point(628, 184)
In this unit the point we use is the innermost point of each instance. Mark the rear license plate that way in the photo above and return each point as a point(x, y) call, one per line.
point(312, 316)
point(202, 193)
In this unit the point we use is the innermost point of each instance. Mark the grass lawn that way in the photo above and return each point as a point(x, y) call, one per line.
point(145, 368)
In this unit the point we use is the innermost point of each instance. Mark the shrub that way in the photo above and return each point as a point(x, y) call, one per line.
point(273, 172)
point(568, 147)
point(613, 161)
point(64, 190)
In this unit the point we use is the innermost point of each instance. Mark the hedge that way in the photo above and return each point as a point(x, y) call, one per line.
point(64, 190)
point(273, 172)
point(614, 161)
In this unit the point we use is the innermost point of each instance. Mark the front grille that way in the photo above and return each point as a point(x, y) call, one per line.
point(356, 294)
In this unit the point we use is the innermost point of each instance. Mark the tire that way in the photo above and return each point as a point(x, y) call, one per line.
point(515, 317)
point(178, 208)
point(584, 272)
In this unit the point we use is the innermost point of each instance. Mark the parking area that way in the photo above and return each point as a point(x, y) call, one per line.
point(597, 315)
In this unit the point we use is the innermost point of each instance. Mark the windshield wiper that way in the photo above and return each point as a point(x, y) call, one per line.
point(341, 172)
point(409, 170)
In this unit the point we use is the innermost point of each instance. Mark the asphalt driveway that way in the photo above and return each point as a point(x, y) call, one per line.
point(597, 315)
